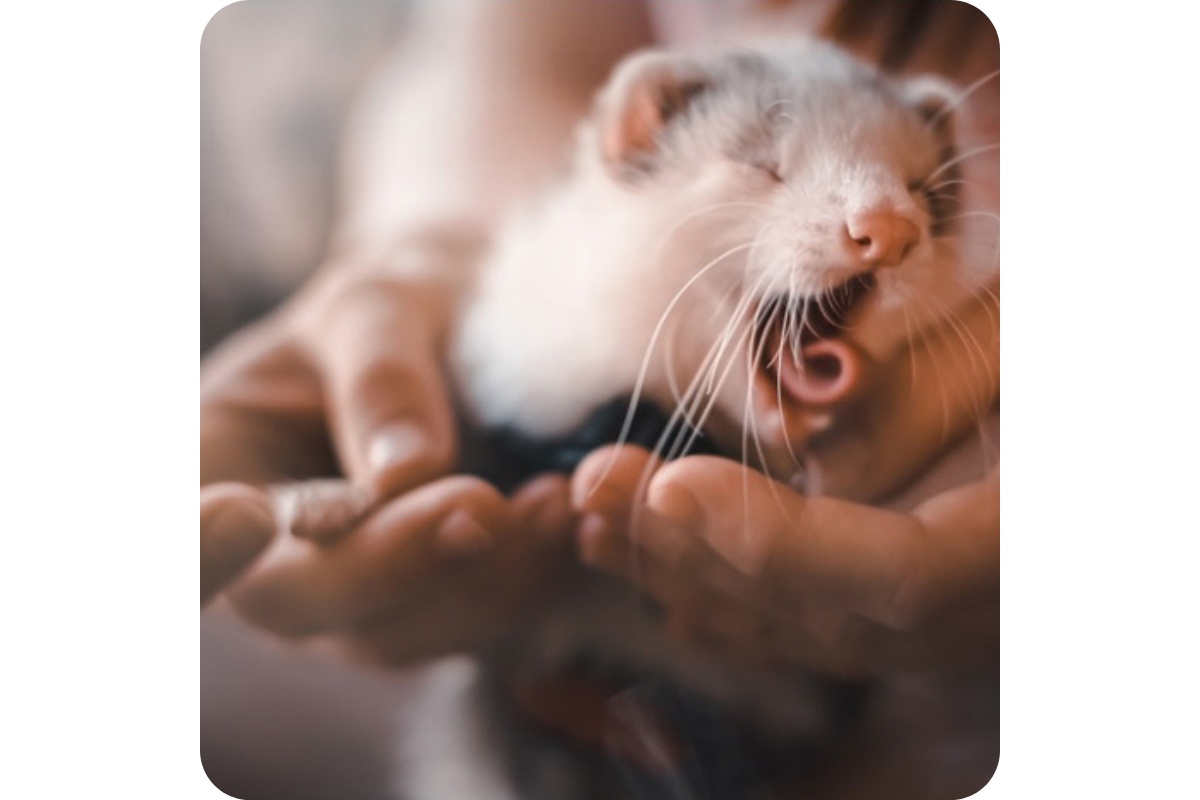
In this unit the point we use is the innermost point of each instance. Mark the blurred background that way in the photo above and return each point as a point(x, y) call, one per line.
point(277, 80)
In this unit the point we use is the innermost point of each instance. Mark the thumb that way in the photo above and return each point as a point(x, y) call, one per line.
point(236, 525)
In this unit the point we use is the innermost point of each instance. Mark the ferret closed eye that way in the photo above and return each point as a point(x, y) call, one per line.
point(736, 234)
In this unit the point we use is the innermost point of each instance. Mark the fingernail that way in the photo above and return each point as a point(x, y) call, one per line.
point(462, 536)
point(232, 538)
point(593, 529)
point(242, 527)
point(321, 510)
point(394, 444)
point(678, 505)
point(579, 494)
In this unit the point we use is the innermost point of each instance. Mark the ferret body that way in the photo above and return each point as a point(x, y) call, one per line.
point(736, 232)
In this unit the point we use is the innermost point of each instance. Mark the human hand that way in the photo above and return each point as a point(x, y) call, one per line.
point(236, 525)
point(754, 571)
point(344, 379)
point(347, 379)
point(444, 568)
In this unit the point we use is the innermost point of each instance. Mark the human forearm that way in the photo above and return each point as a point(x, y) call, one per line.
point(473, 109)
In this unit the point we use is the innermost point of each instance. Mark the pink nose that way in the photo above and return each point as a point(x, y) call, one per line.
point(881, 238)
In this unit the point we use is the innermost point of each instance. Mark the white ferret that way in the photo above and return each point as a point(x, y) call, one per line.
point(734, 232)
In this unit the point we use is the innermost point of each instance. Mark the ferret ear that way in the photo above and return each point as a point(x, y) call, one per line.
point(644, 94)
point(935, 100)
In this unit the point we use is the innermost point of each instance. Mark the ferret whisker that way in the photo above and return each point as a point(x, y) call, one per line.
point(691, 217)
point(787, 441)
point(983, 296)
point(922, 341)
point(788, 335)
point(712, 398)
point(960, 98)
point(974, 152)
point(669, 365)
point(976, 242)
point(695, 391)
point(644, 369)
point(692, 396)
point(839, 307)
point(967, 214)
point(746, 458)
point(708, 400)
point(939, 330)
point(636, 278)
point(721, 342)
point(755, 358)
point(909, 336)
point(952, 182)
point(751, 324)
point(695, 383)
point(708, 356)
point(741, 308)
point(661, 452)
point(975, 354)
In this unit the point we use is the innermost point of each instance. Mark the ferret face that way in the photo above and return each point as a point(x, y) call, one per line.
point(804, 204)
point(740, 234)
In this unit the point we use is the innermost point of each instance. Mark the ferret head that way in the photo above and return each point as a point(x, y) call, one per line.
point(803, 205)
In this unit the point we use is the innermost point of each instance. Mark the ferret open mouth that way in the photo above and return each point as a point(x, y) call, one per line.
point(813, 365)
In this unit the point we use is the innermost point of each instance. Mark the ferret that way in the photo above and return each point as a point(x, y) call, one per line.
point(736, 231)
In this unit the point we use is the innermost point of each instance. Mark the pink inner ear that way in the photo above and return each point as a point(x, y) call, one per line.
point(634, 132)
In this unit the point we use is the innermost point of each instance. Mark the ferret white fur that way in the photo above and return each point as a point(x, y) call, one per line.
point(568, 309)
point(626, 273)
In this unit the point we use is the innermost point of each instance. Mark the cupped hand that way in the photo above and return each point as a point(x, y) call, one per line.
point(346, 381)
point(754, 571)
point(444, 568)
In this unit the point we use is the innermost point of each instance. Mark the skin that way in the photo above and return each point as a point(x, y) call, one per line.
point(765, 574)
point(346, 380)
point(236, 526)
point(930, 599)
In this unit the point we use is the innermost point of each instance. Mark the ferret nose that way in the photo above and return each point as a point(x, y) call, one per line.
point(881, 238)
